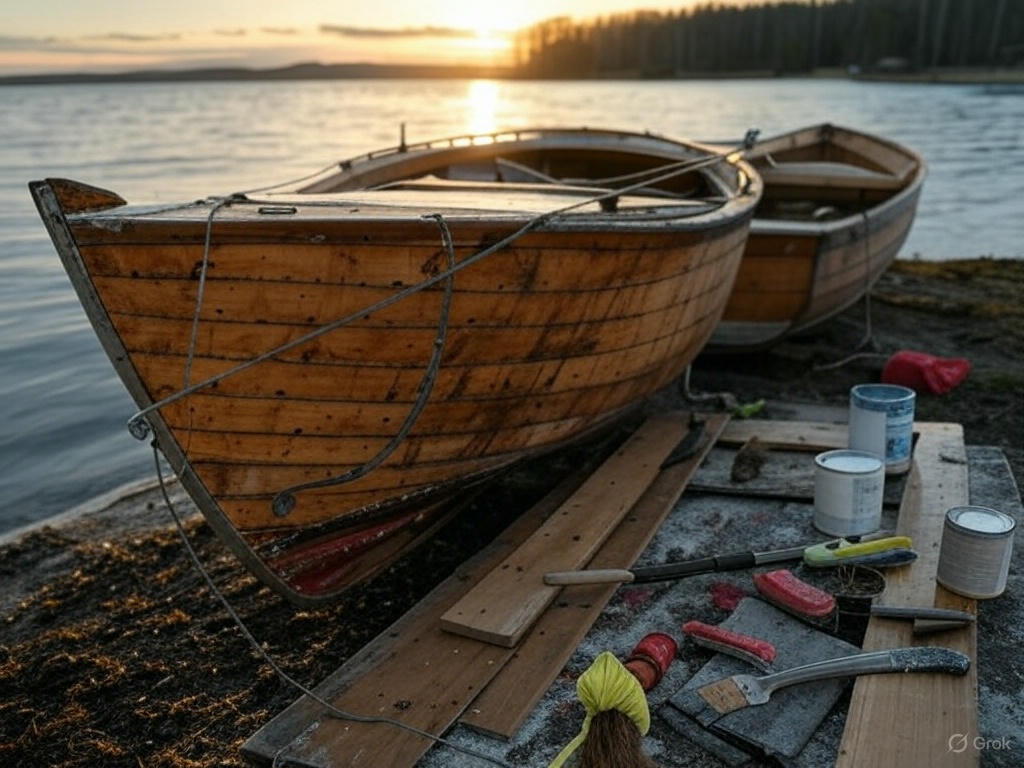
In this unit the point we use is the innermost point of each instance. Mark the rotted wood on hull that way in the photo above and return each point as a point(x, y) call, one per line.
point(549, 338)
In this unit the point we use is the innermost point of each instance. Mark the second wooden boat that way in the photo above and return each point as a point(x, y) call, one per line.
point(838, 205)
point(324, 365)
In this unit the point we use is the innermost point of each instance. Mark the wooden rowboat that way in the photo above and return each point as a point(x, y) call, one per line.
point(322, 367)
point(837, 206)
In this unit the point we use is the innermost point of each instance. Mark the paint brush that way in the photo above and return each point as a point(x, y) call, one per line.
point(712, 701)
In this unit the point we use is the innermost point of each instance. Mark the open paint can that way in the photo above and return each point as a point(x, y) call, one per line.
point(974, 558)
point(882, 423)
point(848, 488)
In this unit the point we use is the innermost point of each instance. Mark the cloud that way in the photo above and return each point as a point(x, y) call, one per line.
point(230, 32)
point(10, 43)
point(335, 29)
point(280, 30)
point(127, 37)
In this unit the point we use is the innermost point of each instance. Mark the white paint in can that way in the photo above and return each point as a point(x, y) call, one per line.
point(974, 558)
point(882, 423)
point(848, 488)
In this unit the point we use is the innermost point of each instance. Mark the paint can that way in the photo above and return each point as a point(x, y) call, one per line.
point(882, 423)
point(848, 487)
point(974, 558)
point(650, 659)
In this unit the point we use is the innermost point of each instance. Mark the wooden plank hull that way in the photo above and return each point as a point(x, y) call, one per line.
point(798, 272)
point(553, 336)
point(837, 206)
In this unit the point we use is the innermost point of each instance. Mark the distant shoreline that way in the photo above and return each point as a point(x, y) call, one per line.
point(363, 70)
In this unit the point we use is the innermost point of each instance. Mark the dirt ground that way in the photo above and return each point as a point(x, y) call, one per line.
point(114, 653)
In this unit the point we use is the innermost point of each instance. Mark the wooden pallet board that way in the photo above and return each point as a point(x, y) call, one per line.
point(506, 603)
point(788, 435)
point(912, 721)
point(506, 702)
point(400, 657)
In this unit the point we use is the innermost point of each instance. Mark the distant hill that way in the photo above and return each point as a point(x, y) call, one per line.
point(305, 71)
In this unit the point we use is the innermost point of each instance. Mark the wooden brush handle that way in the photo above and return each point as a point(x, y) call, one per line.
point(593, 576)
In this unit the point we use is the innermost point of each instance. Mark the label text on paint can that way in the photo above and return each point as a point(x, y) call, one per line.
point(882, 422)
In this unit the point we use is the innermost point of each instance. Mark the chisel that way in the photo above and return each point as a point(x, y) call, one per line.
point(893, 550)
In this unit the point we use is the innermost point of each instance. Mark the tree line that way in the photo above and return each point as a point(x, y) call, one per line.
point(780, 37)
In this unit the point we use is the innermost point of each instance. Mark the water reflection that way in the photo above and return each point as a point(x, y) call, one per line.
point(483, 103)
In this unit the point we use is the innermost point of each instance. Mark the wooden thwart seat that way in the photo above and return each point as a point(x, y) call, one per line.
point(827, 174)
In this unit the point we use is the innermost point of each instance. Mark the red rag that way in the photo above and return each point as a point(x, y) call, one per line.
point(921, 371)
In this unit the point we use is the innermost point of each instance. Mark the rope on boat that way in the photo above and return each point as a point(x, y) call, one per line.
point(140, 428)
point(869, 336)
point(284, 501)
point(332, 710)
point(202, 283)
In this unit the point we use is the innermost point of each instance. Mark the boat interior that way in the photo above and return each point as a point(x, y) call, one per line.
point(812, 175)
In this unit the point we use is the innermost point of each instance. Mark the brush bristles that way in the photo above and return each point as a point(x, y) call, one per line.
point(724, 696)
point(613, 742)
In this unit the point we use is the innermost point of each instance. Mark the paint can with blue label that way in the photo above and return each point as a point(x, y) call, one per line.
point(882, 423)
point(848, 488)
point(974, 557)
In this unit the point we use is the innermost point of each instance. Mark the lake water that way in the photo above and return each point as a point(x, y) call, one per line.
point(63, 410)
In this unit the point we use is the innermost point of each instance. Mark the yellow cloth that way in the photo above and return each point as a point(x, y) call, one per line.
point(607, 685)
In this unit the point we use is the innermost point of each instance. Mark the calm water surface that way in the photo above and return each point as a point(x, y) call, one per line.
point(62, 409)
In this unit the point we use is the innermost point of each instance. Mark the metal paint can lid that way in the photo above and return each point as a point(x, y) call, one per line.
point(848, 462)
point(980, 521)
point(892, 398)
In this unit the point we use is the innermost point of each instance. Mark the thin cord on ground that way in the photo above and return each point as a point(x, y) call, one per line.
point(284, 676)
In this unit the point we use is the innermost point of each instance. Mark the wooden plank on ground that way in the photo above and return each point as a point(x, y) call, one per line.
point(783, 474)
point(919, 720)
point(407, 647)
point(506, 603)
point(788, 435)
point(803, 435)
point(503, 706)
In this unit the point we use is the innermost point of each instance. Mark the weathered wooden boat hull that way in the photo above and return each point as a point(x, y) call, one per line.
point(548, 339)
point(798, 270)
point(798, 273)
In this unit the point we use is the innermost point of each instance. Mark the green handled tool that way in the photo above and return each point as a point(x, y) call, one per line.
point(879, 553)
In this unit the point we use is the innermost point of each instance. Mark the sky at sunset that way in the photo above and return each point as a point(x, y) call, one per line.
point(116, 35)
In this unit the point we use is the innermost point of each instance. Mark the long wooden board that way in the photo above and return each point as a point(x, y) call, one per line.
point(506, 603)
point(506, 702)
point(805, 435)
point(407, 648)
point(929, 720)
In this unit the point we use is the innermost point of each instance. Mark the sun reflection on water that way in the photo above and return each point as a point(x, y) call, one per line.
point(482, 98)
